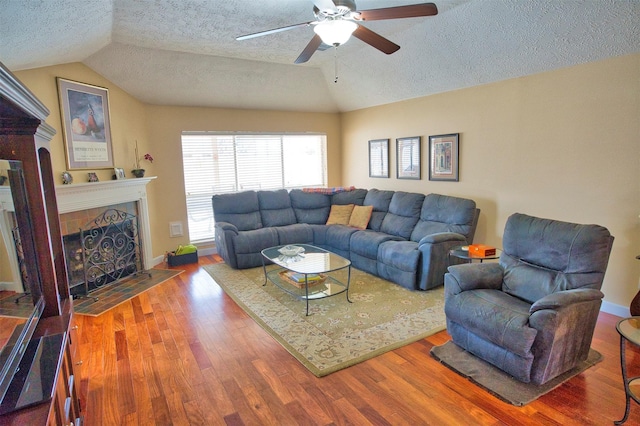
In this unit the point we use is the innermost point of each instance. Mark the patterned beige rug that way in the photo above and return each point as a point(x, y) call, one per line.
point(336, 334)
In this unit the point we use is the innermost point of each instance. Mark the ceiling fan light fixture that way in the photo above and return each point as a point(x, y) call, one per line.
point(335, 32)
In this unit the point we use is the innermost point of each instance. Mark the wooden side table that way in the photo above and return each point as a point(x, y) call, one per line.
point(629, 330)
point(635, 303)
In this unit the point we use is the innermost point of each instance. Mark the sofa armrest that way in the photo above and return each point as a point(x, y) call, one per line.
point(565, 298)
point(473, 276)
point(434, 250)
point(565, 322)
point(226, 226)
point(441, 237)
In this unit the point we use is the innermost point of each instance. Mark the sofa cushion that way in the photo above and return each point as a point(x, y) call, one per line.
point(557, 245)
point(241, 209)
point(404, 212)
point(310, 207)
point(398, 262)
point(496, 317)
point(402, 255)
point(340, 214)
point(355, 196)
point(338, 238)
point(442, 213)
point(360, 216)
point(249, 244)
point(380, 201)
point(275, 208)
point(543, 256)
point(298, 233)
point(367, 242)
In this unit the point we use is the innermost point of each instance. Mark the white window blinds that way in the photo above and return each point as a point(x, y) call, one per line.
point(223, 163)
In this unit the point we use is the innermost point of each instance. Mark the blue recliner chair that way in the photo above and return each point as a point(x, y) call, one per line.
point(533, 313)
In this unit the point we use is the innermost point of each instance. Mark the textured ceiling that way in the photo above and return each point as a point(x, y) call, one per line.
point(184, 52)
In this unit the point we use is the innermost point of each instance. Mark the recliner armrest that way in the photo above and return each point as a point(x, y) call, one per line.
point(226, 226)
point(473, 276)
point(565, 298)
point(441, 237)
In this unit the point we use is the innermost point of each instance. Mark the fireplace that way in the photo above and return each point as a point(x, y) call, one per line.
point(120, 206)
point(105, 250)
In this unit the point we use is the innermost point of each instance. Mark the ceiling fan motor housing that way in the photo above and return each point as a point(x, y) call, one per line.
point(343, 9)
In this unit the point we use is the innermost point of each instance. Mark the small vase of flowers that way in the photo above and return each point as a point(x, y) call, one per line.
point(139, 171)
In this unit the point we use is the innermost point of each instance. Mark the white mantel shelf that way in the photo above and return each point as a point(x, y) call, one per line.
point(82, 196)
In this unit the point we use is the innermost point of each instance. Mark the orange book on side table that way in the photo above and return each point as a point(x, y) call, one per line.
point(481, 250)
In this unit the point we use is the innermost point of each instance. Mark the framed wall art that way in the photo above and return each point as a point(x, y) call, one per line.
point(443, 157)
point(86, 125)
point(408, 158)
point(379, 158)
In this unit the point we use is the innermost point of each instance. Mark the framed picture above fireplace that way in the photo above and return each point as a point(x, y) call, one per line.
point(86, 125)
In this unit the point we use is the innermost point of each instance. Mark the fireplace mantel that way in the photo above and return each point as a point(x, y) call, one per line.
point(83, 196)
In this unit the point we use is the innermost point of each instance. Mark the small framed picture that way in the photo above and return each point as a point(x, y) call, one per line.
point(379, 158)
point(67, 179)
point(93, 177)
point(119, 173)
point(408, 158)
point(443, 157)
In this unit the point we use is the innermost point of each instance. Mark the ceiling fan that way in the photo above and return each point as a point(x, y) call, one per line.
point(337, 20)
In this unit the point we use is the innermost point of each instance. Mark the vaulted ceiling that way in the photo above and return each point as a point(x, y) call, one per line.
point(184, 52)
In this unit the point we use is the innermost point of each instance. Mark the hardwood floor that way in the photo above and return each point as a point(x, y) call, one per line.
point(184, 353)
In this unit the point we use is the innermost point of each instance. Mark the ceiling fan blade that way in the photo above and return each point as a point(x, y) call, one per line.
point(375, 40)
point(309, 50)
point(410, 11)
point(273, 31)
point(323, 5)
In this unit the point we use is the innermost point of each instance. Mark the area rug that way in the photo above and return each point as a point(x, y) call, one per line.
point(499, 383)
point(113, 294)
point(336, 334)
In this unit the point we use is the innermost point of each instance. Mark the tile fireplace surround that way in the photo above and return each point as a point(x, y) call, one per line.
point(85, 196)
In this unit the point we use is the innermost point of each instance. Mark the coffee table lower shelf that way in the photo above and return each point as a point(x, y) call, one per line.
point(329, 286)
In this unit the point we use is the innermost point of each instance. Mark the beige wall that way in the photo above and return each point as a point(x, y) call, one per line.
point(157, 130)
point(127, 117)
point(166, 125)
point(563, 145)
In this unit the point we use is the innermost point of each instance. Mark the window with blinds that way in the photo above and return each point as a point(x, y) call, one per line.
point(216, 163)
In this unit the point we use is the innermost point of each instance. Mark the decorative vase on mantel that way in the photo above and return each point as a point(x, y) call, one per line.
point(138, 172)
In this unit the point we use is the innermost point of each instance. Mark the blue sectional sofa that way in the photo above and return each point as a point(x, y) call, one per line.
point(406, 240)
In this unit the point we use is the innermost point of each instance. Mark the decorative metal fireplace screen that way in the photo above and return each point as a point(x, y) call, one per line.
point(110, 249)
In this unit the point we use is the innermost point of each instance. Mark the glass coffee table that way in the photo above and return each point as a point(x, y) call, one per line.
point(304, 271)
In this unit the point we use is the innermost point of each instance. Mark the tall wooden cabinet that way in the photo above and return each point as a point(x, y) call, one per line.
point(25, 136)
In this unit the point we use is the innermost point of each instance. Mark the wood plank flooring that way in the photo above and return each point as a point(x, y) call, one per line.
point(184, 353)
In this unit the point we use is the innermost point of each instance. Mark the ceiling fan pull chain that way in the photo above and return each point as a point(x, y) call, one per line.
point(335, 59)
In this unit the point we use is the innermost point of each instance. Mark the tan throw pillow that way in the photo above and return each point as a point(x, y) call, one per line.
point(360, 216)
point(340, 214)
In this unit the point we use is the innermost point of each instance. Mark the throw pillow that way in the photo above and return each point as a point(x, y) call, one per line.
point(340, 214)
point(360, 216)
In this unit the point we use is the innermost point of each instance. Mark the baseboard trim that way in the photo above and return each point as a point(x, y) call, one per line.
point(613, 309)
